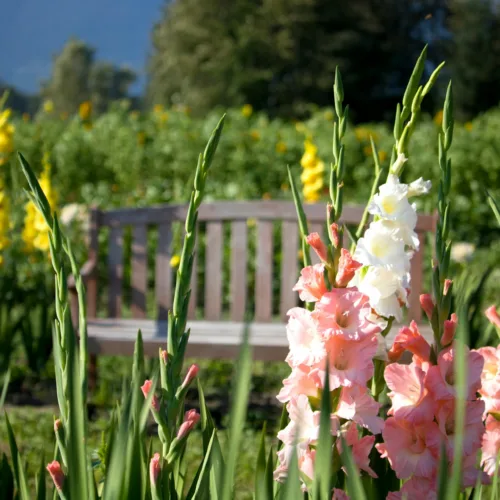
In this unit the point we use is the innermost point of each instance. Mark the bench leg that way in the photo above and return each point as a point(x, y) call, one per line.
point(92, 372)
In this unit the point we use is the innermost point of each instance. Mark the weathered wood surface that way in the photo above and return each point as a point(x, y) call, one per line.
point(208, 339)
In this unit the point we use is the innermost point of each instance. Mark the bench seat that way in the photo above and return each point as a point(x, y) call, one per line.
point(208, 339)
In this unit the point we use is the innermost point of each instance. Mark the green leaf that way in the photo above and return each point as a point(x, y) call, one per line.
point(22, 484)
point(5, 387)
point(414, 81)
point(212, 144)
point(41, 492)
point(14, 452)
point(238, 414)
point(6, 478)
point(198, 487)
point(461, 369)
point(269, 472)
point(291, 489)
point(261, 486)
point(494, 206)
point(354, 485)
point(322, 485)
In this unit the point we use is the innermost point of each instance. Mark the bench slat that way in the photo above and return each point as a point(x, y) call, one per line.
point(264, 270)
point(213, 271)
point(238, 270)
point(289, 267)
point(115, 269)
point(93, 256)
point(163, 271)
point(139, 267)
point(417, 275)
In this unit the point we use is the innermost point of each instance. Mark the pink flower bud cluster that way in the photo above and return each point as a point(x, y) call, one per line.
point(422, 416)
point(338, 331)
point(490, 394)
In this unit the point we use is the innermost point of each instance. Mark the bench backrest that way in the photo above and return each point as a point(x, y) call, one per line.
point(264, 214)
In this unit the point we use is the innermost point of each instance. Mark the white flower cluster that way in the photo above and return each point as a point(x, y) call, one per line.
point(388, 244)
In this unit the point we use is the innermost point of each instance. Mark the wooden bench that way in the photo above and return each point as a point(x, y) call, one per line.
point(215, 332)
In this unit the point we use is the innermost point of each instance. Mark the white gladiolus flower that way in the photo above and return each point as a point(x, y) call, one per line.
point(418, 187)
point(378, 248)
point(398, 164)
point(397, 231)
point(384, 289)
point(391, 203)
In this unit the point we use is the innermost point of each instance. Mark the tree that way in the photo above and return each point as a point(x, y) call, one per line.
point(69, 82)
point(280, 55)
point(475, 55)
point(107, 83)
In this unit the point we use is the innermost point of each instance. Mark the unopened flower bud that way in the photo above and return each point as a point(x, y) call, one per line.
point(57, 474)
point(191, 418)
point(347, 268)
point(154, 469)
point(450, 327)
point(57, 425)
point(164, 356)
point(190, 375)
point(334, 232)
point(146, 388)
point(314, 241)
point(447, 285)
point(427, 304)
point(493, 316)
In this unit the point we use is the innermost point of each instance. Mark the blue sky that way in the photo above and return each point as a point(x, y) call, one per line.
point(32, 31)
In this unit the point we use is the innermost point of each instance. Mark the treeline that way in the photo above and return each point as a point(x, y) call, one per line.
point(280, 56)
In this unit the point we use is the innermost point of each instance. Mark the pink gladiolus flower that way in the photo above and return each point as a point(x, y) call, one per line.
point(191, 418)
point(415, 488)
point(410, 398)
point(470, 472)
point(410, 449)
point(146, 387)
point(311, 285)
point(492, 314)
point(314, 241)
point(360, 448)
point(306, 344)
point(298, 382)
point(334, 231)
point(447, 285)
point(154, 468)
point(345, 311)
point(351, 361)
point(357, 404)
point(347, 268)
point(440, 378)
point(490, 376)
point(190, 375)
point(427, 304)
point(410, 339)
point(306, 462)
point(490, 445)
point(450, 326)
point(473, 429)
point(339, 494)
point(57, 474)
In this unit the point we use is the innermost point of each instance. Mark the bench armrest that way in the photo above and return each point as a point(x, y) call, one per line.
point(88, 271)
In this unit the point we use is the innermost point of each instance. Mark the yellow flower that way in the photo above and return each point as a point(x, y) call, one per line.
point(300, 128)
point(266, 196)
point(281, 147)
point(175, 261)
point(310, 147)
point(364, 134)
point(26, 117)
point(251, 222)
point(255, 135)
point(285, 186)
point(5, 141)
point(382, 155)
point(329, 116)
point(48, 106)
point(5, 223)
point(6, 136)
point(468, 126)
point(300, 254)
point(247, 110)
point(438, 118)
point(158, 108)
point(4, 117)
point(85, 110)
point(141, 138)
